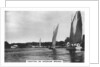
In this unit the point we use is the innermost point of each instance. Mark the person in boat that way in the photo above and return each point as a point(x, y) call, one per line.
point(78, 48)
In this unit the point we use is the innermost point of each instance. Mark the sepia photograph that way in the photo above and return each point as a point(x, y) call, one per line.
point(44, 35)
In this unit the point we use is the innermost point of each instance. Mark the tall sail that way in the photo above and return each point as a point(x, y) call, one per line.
point(76, 28)
point(54, 36)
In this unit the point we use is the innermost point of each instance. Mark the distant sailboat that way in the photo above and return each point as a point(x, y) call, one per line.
point(54, 37)
point(40, 42)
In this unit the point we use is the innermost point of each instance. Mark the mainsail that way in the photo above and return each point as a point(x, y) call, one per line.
point(76, 28)
point(54, 37)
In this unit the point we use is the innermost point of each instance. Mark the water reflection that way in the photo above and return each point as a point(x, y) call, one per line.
point(74, 57)
point(77, 57)
point(54, 54)
point(21, 55)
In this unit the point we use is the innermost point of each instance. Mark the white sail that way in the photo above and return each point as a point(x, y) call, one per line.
point(54, 37)
point(40, 42)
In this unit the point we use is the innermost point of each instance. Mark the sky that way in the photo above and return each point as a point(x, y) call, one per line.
point(30, 26)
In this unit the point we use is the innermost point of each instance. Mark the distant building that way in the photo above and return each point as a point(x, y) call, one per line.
point(14, 46)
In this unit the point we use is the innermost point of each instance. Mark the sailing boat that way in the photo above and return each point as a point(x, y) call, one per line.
point(76, 39)
point(76, 30)
point(54, 43)
point(40, 42)
point(54, 38)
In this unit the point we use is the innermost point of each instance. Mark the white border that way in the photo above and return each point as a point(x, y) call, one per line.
point(2, 3)
point(93, 5)
point(86, 63)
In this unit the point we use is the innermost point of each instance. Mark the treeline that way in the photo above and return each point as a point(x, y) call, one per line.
point(59, 44)
point(33, 44)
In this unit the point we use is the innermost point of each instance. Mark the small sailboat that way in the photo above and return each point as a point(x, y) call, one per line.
point(54, 38)
point(54, 43)
point(40, 42)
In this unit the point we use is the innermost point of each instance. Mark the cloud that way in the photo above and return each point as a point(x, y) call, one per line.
point(23, 26)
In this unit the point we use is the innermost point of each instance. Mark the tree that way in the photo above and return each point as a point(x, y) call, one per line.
point(7, 45)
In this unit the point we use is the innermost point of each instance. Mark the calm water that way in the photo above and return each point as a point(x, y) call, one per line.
point(23, 54)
